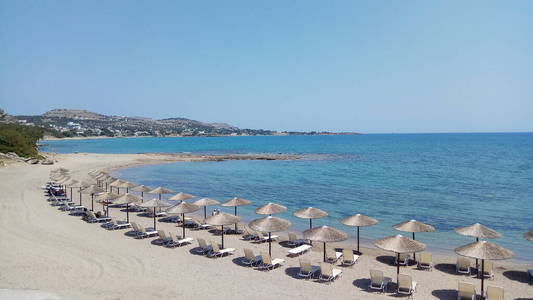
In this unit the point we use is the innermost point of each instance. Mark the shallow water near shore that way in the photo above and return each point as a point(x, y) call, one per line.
point(446, 180)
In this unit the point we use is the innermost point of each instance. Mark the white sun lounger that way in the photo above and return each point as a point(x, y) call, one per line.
point(299, 250)
point(141, 232)
point(175, 242)
point(217, 252)
point(262, 238)
point(115, 225)
point(328, 273)
point(332, 256)
point(269, 263)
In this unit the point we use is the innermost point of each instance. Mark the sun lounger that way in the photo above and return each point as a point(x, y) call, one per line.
point(115, 225)
point(217, 252)
point(141, 232)
point(332, 256)
point(250, 259)
point(175, 242)
point(262, 238)
point(406, 285)
point(307, 270)
point(328, 273)
point(466, 291)
point(293, 240)
point(463, 265)
point(299, 250)
point(90, 217)
point(203, 248)
point(69, 206)
point(530, 274)
point(348, 258)
point(405, 258)
point(268, 263)
point(163, 238)
point(199, 224)
point(494, 293)
point(425, 261)
point(378, 281)
point(488, 269)
point(249, 234)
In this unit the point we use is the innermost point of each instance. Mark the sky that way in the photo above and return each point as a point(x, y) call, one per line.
point(367, 66)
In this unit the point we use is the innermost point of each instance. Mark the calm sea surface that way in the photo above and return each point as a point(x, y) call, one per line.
point(446, 180)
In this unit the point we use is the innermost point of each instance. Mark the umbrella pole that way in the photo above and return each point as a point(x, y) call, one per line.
point(482, 277)
point(142, 197)
point(358, 240)
point(414, 253)
point(324, 251)
point(205, 212)
point(71, 196)
point(269, 244)
point(222, 236)
point(398, 270)
point(477, 263)
point(92, 202)
point(235, 215)
point(159, 196)
point(80, 195)
point(310, 226)
point(154, 218)
point(127, 212)
point(183, 224)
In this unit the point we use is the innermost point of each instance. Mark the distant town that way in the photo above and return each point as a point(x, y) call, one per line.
point(65, 123)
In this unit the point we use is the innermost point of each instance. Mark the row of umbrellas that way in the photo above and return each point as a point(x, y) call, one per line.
point(398, 244)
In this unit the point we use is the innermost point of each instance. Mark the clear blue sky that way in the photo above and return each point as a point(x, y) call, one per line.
point(369, 66)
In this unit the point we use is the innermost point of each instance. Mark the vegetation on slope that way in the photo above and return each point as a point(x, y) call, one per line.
point(20, 139)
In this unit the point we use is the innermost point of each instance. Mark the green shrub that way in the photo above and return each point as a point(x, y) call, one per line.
point(20, 139)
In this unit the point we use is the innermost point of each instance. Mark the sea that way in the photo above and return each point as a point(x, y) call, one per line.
point(446, 180)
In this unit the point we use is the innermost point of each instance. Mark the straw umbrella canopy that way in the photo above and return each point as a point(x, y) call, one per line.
point(108, 180)
point(484, 250)
point(325, 234)
point(270, 209)
point(413, 226)
point(310, 213)
point(270, 224)
point(222, 219)
point(160, 190)
point(117, 183)
point(235, 202)
point(399, 244)
point(106, 198)
point(72, 183)
point(183, 208)
point(127, 199)
point(142, 189)
point(155, 203)
point(126, 185)
point(181, 196)
point(478, 231)
point(91, 190)
point(529, 235)
point(205, 202)
point(83, 184)
point(359, 220)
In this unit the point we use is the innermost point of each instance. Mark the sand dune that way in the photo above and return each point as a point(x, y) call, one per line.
point(47, 253)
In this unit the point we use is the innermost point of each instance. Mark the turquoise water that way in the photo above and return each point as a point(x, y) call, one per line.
point(447, 180)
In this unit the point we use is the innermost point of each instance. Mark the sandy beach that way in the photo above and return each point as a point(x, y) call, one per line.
point(47, 254)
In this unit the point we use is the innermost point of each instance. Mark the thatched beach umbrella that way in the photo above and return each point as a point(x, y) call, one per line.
point(205, 202)
point(181, 196)
point(108, 180)
point(325, 234)
point(270, 224)
point(310, 213)
point(183, 208)
point(105, 199)
point(222, 219)
point(127, 185)
point(235, 202)
point(399, 244)
point(359, 220)
point(127, 199)
point(529, 235)
point(142, 189)
point(478, 231)
point(83, 184)
point(92, 190)
point(484, 250)
point(72, 183)
point(160, 190)
point(155, 203)
point(413, 226)
point(270, 209)
point(117, 183)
